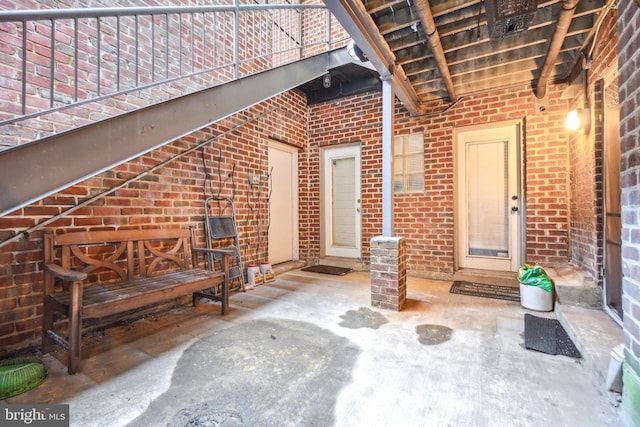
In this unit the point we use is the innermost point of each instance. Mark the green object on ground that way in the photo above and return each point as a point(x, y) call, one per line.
point(630, 395)
point(534, 275)
point(19, 375)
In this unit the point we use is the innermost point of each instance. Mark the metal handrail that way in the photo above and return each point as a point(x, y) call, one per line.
point(71, 57)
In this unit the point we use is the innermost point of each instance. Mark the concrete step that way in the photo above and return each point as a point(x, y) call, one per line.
point(575, 287)
point(595, 335)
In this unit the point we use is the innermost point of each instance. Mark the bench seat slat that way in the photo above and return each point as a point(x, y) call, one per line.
point(104, 299)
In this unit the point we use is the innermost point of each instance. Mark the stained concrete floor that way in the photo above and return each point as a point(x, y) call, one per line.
point(308, 350)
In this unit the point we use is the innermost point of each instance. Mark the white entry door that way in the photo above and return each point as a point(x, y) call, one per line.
point(488, 200)
point(341, 201)
point(283, 206)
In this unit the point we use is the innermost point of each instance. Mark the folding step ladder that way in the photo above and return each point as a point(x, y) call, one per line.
point(222, 232)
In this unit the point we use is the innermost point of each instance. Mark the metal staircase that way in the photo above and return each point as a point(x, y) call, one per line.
point(143, 97)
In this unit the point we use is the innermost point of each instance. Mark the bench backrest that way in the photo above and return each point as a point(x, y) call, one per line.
point(119, 254)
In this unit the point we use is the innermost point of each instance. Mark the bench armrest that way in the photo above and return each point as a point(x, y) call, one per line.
point(65, 273)
point(227, 254)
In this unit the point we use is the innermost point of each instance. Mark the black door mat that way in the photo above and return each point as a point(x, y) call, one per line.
point(509, 293)
point(548, 336)
point(327, 269)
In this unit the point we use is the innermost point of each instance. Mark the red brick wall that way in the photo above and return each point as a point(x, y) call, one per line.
point(170, 197)
point(628, 57)
point(168, 48)
point(426, 220)
point(586, 156)
point(355, 119)
point(173, 195)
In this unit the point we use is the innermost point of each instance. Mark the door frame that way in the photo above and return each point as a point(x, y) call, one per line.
point(520, 177)
point(294, 195)
point(325, 218)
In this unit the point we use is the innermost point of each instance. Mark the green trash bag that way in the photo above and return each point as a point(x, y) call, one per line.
point(534, 275)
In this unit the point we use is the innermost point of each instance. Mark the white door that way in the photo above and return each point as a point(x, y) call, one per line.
point(341, 202)
point(488, 200)
point(283, 206)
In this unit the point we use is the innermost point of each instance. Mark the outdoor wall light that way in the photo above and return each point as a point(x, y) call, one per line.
point(326, 81)
point(355, 52)
point(578, 119)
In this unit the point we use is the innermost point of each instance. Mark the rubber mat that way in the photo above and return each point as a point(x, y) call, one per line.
point(548, 336)
point(509, 293)
point(327, 269)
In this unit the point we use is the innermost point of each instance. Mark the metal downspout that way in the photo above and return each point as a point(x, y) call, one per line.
point(564, 21)
point(426, 17)
point(388, 100)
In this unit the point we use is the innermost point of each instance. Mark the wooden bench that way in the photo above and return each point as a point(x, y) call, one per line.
point(89, 275)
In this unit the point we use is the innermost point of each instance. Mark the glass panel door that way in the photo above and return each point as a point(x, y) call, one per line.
point(488, 198)
point(341, 202)
point(488, 217)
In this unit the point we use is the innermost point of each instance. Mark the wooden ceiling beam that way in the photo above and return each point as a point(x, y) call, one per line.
point(426, 17)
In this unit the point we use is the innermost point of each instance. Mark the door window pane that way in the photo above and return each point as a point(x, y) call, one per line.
point(343, 202)
point(488, 198)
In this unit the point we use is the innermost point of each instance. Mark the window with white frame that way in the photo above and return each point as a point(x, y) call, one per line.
point(408, 173)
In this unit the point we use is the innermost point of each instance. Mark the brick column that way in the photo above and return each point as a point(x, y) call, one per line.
point(388, 272)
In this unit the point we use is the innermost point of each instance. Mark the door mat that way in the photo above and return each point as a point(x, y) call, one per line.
point(509, 293)
point(548, 336)
point(327, 269)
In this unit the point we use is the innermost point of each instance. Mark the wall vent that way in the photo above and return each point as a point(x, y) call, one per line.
point(508, 17)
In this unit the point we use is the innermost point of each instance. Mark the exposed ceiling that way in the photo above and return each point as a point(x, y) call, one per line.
point(343, 81)
point(442, 50)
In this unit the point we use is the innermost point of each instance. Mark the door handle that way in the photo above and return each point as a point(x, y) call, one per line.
point(515, 209)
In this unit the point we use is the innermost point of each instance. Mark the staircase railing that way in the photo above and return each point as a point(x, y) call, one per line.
point(119, 58)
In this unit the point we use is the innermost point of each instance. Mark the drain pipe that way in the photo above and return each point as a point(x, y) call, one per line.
point(564, 20)
point(426, 18)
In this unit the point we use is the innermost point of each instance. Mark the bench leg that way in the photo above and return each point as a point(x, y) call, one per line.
point(225, 285)
point(75, 328)
point(47, 325)
point(225, 297)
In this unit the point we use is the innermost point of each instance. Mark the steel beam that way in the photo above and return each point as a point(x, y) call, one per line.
point(35, 170)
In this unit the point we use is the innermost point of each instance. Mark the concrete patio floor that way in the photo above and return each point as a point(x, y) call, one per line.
point(308, 350)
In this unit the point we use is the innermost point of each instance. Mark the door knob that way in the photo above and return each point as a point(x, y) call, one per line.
point(514, 209)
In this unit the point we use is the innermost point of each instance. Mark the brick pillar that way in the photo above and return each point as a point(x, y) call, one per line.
point(388, 272)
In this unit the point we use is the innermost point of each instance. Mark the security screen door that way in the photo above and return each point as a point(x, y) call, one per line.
point(341, 201)
point(488, 205)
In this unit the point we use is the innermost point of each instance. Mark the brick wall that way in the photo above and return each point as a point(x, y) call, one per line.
point(628, 57)
point(426, 220)
point(586, 156)
point(109, 64)
point(170, 197)
point(355, 119)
